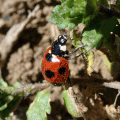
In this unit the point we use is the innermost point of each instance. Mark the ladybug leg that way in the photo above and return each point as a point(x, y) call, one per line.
point(76, 56)
point(76, 49)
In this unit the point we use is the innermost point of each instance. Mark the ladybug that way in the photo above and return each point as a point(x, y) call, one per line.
point(55, 68)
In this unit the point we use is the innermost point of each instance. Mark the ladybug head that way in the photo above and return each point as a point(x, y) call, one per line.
point(62, 39)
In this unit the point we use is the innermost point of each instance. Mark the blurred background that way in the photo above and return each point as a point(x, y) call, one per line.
point(25, 34)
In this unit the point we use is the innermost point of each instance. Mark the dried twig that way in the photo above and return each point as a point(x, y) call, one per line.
point(109, 12)
point(95, 81)
point(115, 85)
point(26, 89)
point(31, 88)
point(116, 98)
point(80, 107)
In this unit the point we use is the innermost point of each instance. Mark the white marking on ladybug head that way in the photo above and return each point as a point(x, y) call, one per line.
point(65, 36)
point(54, 58)
point(59, 36)
point(49, 51)
point(62, 40)
point(63, 47)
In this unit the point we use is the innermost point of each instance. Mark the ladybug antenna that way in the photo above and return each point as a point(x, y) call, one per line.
point(70, 38)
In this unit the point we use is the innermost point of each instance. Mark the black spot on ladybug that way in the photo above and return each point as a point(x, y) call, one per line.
point(49, 73)
point(62, 70)
point(49, 57)
point(56, 84)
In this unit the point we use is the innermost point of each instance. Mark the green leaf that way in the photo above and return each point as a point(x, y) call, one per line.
point(91, 7)
point(91, 38)
point(117, 29)
point(98, 30)
point(112, 67)
point(109, 45)
point(69, 105)
point(117, 43)
point(75, 12)
point(54, 18)
point(90, 59)
point(16, 85)
point(40, 107)
point(3, 107)
point(8, 101)
point(57, 8)
point(62, 1)
point(76, 43)
point(63, 23)
point(70, 3)
point(104, 2)
point(7, 108)
point(9, 89)
point(71, 26)
point(80, 4)
point(118, 4)
point(108, 26)
point(69, 14)
point(76, 40)
point(3, 83)
point(106, 61)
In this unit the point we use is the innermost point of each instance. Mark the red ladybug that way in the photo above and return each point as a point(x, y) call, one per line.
point(55, 68)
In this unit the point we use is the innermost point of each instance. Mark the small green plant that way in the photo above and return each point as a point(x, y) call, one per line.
point(100, 21)
point(8, 100)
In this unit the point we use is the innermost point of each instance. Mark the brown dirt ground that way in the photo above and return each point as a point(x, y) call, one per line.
point(24, 62)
